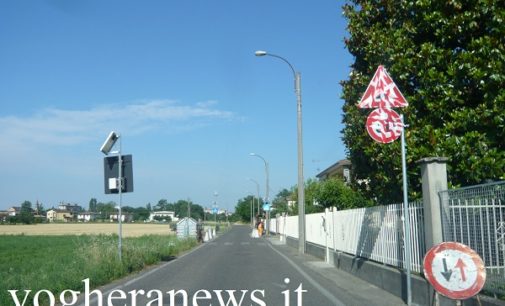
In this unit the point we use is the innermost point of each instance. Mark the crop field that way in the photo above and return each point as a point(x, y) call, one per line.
point(59, 262)
point(56, 229)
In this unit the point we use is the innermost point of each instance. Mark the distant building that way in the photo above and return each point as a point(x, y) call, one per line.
point(74, 208)
point(219, 211)
point(59, 215)
point(14, 211)
point(341, 169)
point(126, 217)
point(87, 216)
point(291, 203)
point(163, 214)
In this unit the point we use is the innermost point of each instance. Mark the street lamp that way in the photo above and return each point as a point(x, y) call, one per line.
point(301, 191)
point(267, 227)
point(257, 192)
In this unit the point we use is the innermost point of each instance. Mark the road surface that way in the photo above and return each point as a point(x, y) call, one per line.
point(235, 269)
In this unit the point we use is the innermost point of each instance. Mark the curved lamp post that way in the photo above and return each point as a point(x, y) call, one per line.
point(267, 227)
point(301, 191)
point(257, 192)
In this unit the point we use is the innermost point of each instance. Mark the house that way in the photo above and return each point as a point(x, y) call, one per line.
point(341, 169)
point(125, 217)
point(163, 214)
point(87, 216)
point(58, 215)
point(74, 208)
point(14, 211)
point(291, 203)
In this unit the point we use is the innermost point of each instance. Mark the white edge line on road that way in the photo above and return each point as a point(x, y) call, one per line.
point(128, 283)
point(313, 282)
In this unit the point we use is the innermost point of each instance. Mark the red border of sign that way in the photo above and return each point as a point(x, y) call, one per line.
point(392, 116)
point(456, 295)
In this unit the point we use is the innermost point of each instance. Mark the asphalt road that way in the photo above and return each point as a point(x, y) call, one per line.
point(234, 269)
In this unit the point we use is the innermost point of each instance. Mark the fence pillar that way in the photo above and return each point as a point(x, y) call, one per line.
point(434, 179)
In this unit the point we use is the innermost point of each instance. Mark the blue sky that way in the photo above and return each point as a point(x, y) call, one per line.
point(179, 80)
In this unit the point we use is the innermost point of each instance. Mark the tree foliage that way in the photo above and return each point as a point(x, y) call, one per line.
point(92, 204)
point(448, 59)
point(26, 213)
point(243, 209)
point(333, 192)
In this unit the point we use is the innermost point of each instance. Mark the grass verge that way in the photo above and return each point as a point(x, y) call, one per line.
point(58, 263)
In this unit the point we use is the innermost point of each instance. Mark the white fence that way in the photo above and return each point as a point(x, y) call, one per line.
point(375, 232)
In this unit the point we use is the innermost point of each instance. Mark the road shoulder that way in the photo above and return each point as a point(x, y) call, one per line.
point(349, 289)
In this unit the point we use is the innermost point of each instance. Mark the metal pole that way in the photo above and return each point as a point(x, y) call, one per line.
point(120, 185)
point(406, 216)
point(252, 210)
point(267, 227)
point(187, 220)
point(301, 191)
point(257, 193)
point(258, 196)
point(301, 187)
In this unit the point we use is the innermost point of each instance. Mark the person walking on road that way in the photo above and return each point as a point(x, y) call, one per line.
point(260, 228)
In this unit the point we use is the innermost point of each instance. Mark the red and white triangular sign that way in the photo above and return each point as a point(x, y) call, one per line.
point(382, 92)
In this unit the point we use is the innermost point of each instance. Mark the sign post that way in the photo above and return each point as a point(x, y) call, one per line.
point(454, 270)
point(384, 125)
point(117, 184)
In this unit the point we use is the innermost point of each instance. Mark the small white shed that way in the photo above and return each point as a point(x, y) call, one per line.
point(186, 228)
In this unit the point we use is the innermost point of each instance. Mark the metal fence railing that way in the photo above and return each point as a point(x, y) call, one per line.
point(475, 216)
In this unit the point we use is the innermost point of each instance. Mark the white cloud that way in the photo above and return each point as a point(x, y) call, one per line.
point(60, 127)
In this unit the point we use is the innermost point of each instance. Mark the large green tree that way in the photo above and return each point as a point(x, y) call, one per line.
point(243, 209)
point(26, 213)
point(92, 204)
point(333, 192)
point(448, 59)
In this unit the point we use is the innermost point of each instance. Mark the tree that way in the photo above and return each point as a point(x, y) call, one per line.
point(243, 209)
point(448, 60)
point(105, 209)
point(148, 207)
point(280, 203)
point(180, 208)
point(162, 205)
point(333, 192)
point(39, 208)
point(26, 213)
point(92, 205)
point(311, 203)
point(141, 214)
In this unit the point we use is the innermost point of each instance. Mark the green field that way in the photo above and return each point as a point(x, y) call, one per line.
point(57, 263)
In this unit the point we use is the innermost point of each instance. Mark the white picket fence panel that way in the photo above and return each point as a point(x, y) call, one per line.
point(375, 233)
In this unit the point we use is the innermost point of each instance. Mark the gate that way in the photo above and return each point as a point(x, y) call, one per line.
point(475, 216)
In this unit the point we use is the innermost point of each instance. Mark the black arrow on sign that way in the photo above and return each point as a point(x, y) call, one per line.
point(447, 273)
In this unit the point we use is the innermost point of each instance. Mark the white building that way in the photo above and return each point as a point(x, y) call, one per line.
point(163, 214)
point(124, 217)
point(87, 216)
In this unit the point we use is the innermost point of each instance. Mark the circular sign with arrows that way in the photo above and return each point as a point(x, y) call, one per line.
point(454, 270)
